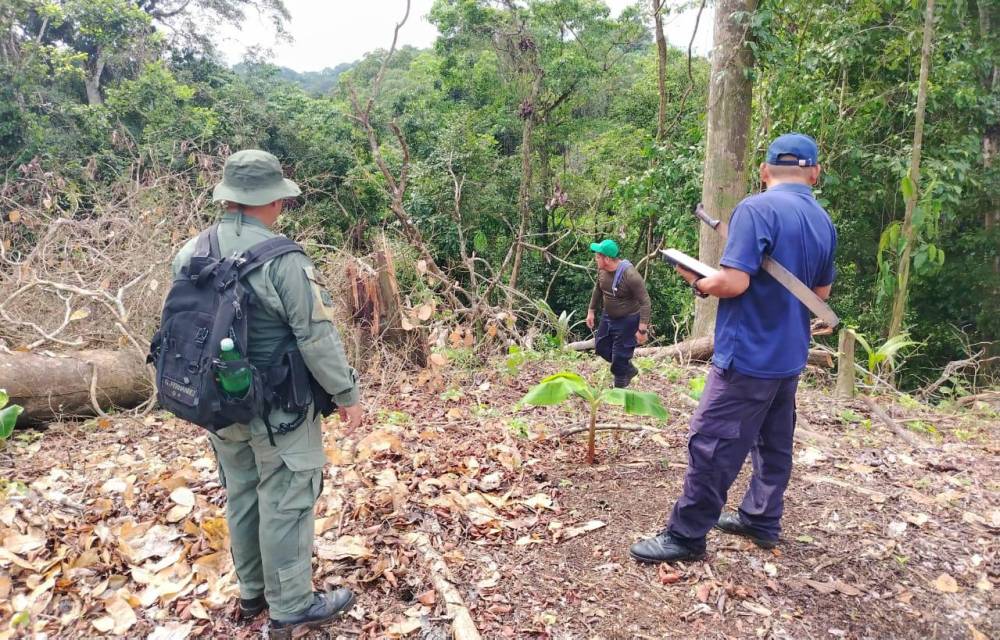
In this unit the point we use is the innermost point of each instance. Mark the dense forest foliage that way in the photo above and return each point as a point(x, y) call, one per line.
point(542, 113)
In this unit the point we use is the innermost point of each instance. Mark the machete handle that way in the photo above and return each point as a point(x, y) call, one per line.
point(704, 217)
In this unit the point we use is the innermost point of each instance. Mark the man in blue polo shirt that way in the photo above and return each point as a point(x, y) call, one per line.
point(761, 345)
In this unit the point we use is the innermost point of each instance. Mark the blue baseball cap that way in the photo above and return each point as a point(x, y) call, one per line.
point(799, 145)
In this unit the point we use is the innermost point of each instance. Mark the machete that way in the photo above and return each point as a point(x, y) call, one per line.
point(785, 278)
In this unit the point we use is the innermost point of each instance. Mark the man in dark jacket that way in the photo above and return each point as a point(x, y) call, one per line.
point(625, 320)
point(761, 345)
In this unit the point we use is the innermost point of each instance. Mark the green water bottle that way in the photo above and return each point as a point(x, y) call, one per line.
point(235, 382)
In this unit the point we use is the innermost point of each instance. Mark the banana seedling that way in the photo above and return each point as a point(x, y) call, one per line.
point(559, 387)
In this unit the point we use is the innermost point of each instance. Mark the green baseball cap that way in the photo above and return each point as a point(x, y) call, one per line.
point(253, 177)
point(606, 247)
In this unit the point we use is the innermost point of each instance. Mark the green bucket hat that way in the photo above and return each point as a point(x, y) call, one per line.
point(253, 177)
point(606, 247)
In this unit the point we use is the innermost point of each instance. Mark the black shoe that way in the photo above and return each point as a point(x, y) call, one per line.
point(622, 382)
point(250, 607)
point(730, 522)
point(325, 608)
point(664, 547)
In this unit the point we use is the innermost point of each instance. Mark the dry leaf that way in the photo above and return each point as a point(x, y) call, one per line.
point(377, 442)
point(79, 314)
point(846, 589)
point(822, 587)
point(197, 610)
point(976, 633)
point(421, 267)
point(183, 496)
point(403, 627)
point(946, 584)
point(177, 513)
point(756, 608)
point(17, 543)
point(427, 597)
point(345, 548)
point(667, 576)
point(14, 216)
point(438, 359)
point(586, 527)
point(539, 501)
point(121, 613)
point(172, 631)
point(917, 519)
point(424, 312)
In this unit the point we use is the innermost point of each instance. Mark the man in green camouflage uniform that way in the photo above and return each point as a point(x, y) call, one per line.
point(272, 489)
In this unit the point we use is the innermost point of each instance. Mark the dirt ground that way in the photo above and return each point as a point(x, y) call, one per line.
point(114, 527)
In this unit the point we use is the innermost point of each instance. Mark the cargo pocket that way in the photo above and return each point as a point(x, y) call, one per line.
point(294, 586)
point(306, 471)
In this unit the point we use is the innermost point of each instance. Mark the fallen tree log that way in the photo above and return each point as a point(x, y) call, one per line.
point(53, 386)
point(699, 349)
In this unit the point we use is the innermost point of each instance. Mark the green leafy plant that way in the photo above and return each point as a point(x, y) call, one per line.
point(562, 323)
point(696, 387)
point(884, 358)
point(557, 388)
point(8, 415)
point(515, 358)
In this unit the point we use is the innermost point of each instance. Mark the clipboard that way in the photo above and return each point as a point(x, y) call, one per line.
point(675, 257)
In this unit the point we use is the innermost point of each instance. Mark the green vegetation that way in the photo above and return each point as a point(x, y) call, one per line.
point(8, 415)
point(550, 137)
point(559, 387)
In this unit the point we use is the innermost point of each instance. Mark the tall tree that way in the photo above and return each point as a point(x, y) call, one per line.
point(911, 189)
point(661, 68)
point(729, 92)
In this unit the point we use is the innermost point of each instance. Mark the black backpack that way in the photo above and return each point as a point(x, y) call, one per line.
point(206, 303)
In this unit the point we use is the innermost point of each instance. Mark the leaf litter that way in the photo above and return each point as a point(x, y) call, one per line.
point(119, 529)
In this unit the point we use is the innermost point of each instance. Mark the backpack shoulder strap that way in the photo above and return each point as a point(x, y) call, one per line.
point(207, 245)
point(265, 251)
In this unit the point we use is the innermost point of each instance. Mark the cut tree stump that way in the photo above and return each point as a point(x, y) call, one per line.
point(52, 386)
point(699, 349)
point(845, 364)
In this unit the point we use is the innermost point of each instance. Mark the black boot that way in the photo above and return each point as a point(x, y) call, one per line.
point(730, 522)
point(325, 608)
point(624, 381)
point(250, 607)
point(664, 547)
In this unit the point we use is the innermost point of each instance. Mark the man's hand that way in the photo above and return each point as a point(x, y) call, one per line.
point(642, 335)
point(690, 276)
point(590, 319)
point(351, 416)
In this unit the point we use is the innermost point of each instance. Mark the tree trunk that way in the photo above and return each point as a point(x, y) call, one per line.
point(908, 232)
point(696, 349)
point(524, 193)
point(410, 342)
point(991, 146)
point(845, 364)
point(50, 387)
point(725, 180)
point(92, 81)
point(661, 69)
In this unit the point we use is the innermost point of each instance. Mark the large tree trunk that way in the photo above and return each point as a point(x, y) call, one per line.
point(908, 232)
point(661, 68)
point(529, 109)
point(991, 146)
point(50, 387)
point(92, 81)
point(698, 349)
point(725, 181)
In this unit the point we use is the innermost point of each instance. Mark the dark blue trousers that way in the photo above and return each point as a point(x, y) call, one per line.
point(737, 415)
point(615, 342)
